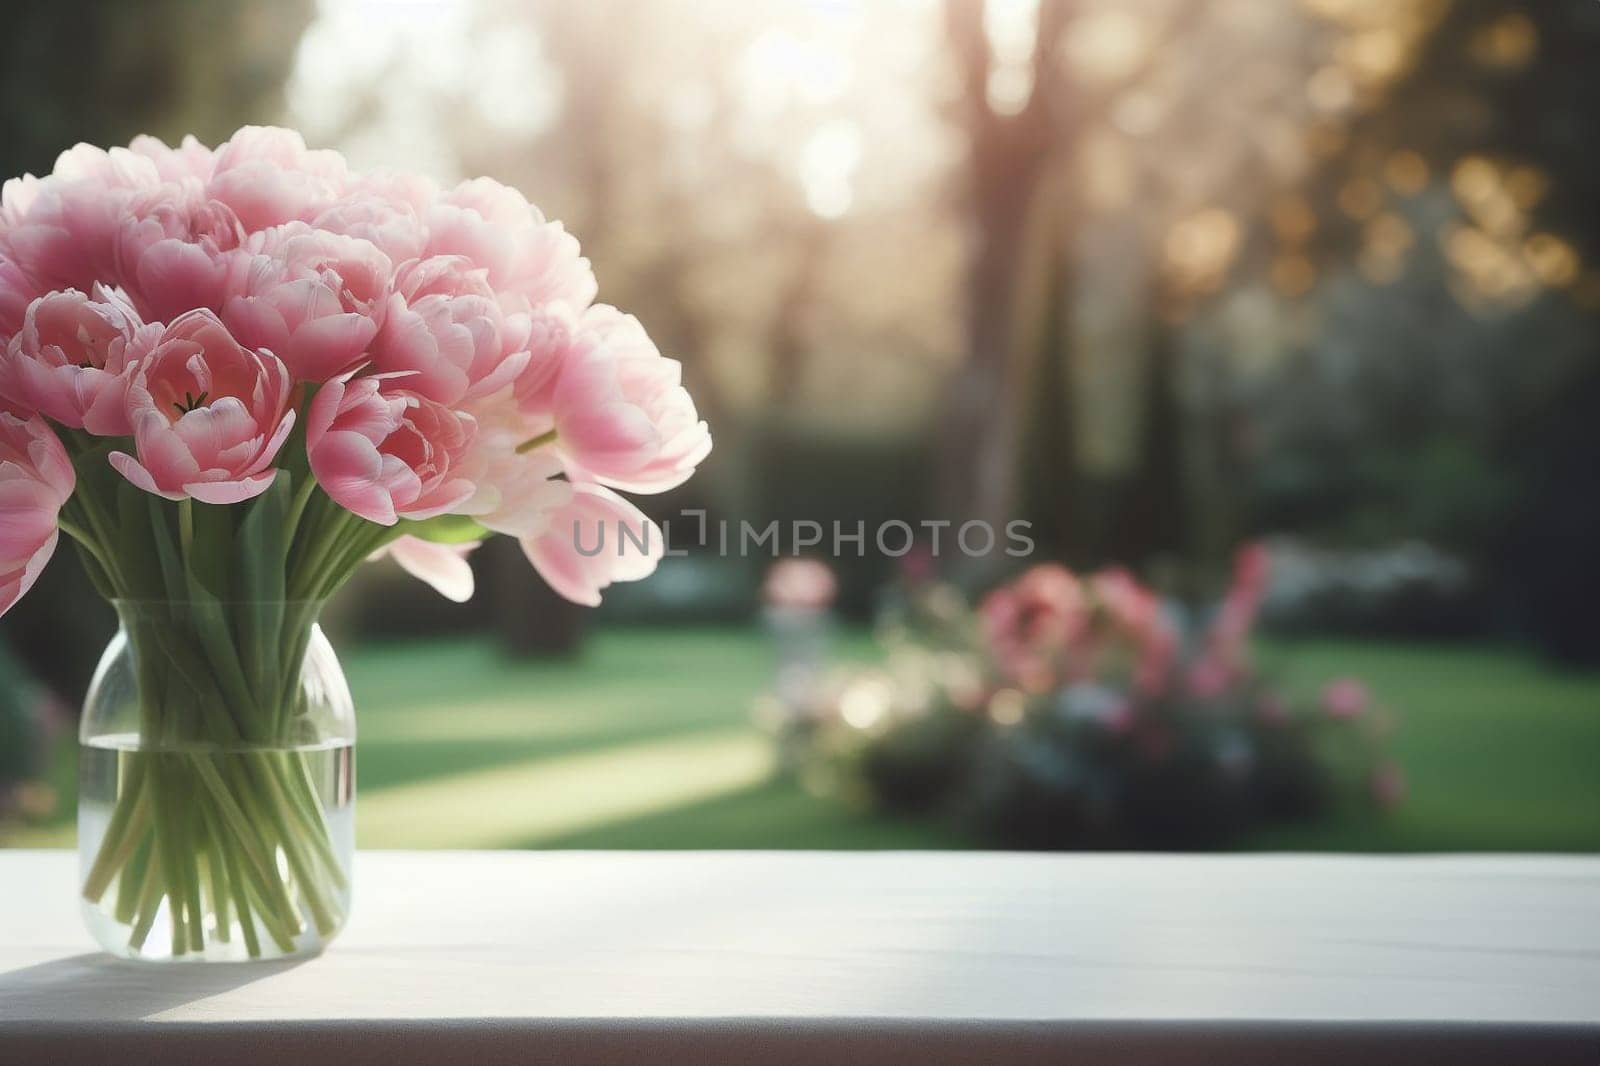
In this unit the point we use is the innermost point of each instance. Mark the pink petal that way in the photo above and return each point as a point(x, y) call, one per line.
point(350, 470)
point(129, 467)
point(225, 492)
point(14, 585)
point(442, 566)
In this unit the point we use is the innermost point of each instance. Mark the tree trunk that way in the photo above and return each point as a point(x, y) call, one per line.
point(980, 434)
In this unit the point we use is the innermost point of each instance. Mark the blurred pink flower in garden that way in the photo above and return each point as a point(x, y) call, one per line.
point(1208, 678)
point(596, 538)
point(1136, 614)
point(36, 479)
point(1345, 698)
point(68, 361)
point(1272, 710)
point(208, 415)
point(384, 453)
point(1230, 630)
point(806, 584)
point(1031, 622)
point(919, 565)
point(1388, 786)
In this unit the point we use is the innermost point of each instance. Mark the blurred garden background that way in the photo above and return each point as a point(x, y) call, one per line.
point(1162, 278)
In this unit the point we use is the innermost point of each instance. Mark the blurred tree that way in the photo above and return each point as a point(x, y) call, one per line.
point(1159, 275)
point(713, 162)
point(1446, 244)
point(1010, 142)
point(102, 71)
point(1106, 182)
point(1280, 225)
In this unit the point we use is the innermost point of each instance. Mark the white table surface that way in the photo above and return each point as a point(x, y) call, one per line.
point(577, 957)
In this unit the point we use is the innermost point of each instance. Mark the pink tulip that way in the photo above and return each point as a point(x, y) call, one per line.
point(442, 275)
point(269, 177)
point(1346, 698)
point(65, 239)
point(621, 414)
point(62, 229)
point(597, 538)
point(353, 268)
point(443, 567)
point(112, 169)
point(36, 478)
point(190, 159)
point(385, 208)
point(173, 249)
point(391, 228)
point(453, 346)
point(415, 193)
point(17, 291)
point(312, 299)
point(68, 361)
point(530, 262)
point(555, 339)
point(514, 492)
point(208, 415)
point(17, 196)
point(387, 455)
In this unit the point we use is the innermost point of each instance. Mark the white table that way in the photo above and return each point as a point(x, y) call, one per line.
point(774, 958)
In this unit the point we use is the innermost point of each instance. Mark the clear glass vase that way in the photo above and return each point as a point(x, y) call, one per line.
point(217, 784)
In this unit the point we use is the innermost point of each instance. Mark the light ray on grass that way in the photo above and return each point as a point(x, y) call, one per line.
point(542, 799)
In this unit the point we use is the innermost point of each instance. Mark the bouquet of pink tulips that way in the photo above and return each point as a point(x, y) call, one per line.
point(232, 376)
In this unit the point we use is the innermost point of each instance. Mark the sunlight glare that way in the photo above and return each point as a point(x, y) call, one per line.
point(827, 164)
point(780, 67)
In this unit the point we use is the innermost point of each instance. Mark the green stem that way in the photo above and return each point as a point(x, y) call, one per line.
point(149, 903)
point(87, 542)
point(216, 820)
point(297, 509)
point(122, 834)
point(129, 880)
point(241, 901)
point(186, 529)
point(536, 442)
point(217, 874)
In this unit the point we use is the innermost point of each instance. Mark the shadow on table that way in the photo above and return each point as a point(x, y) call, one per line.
point(107, 989)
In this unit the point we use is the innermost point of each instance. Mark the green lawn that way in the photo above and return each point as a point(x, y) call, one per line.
point(1500, 752)
point(646, 742)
